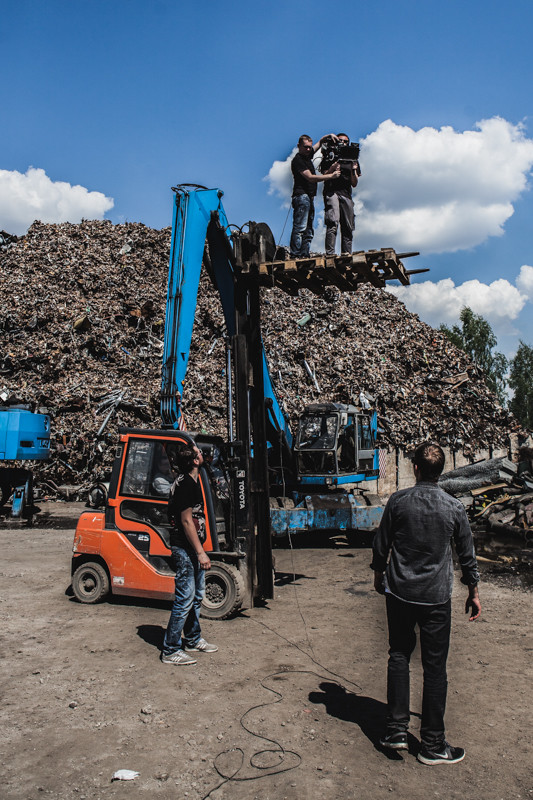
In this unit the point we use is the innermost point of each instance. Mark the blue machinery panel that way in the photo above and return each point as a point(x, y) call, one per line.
point(325, 512)
point(23, 435)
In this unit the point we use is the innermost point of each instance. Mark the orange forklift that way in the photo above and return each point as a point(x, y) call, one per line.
point(125, 549)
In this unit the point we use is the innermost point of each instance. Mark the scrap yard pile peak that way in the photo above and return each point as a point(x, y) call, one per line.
point(82, 320)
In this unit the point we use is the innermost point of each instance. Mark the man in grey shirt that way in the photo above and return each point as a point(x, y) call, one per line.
point(413, 567)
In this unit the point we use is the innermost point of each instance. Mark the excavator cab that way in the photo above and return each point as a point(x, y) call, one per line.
point(335, 442)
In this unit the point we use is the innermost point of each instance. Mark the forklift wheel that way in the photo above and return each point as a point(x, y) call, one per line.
point(224, 591)
point(90, 583)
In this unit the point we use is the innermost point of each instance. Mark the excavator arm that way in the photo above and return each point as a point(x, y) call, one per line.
point(198, 217)
point(193, 210)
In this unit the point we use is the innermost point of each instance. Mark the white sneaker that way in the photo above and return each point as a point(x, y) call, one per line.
point(179, 657)
point(202, 646)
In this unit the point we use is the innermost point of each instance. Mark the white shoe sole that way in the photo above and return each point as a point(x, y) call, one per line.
point(180, 663)
point(436, 762)
point(400, 746)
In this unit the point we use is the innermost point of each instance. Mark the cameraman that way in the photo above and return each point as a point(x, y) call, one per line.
point(338, 203)
point(304, 191)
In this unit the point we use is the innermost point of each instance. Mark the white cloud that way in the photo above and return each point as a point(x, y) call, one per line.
point(30, 196)
point(525, 281)
point(433, 190)
point(499, 302)
point(280, 178)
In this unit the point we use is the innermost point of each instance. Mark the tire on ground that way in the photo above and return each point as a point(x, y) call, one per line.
point(90, 582)
point(224, 591)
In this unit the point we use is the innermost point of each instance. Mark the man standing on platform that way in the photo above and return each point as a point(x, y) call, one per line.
point(304, 192)
point(338, 204)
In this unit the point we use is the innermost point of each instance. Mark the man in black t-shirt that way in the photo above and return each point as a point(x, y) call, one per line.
point(338, 205)
point(186, 493)
point(303, 194)
point(187, 519)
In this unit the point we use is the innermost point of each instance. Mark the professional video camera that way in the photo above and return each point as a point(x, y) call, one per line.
point(347, 154)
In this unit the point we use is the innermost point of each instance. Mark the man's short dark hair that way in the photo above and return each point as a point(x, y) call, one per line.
point(304, 137)
point(343, 134)
point(184, 459)
point(429, 458)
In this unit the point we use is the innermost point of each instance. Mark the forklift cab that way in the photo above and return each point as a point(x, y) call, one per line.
point(335, 440)
point(125, 549)
point(142, 479)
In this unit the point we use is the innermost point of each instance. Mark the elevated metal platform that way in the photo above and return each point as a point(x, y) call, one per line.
point(346, 272)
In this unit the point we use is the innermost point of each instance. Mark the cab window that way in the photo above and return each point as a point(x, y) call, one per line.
point(147, 472)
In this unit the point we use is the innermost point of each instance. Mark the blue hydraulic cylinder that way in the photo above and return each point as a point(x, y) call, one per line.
point(24, 436)
point(277, 417)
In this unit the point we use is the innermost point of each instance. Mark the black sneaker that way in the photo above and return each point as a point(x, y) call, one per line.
point(394, 741)
point(444, 755)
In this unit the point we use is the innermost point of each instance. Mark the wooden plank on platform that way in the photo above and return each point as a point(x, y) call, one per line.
point(345, 272)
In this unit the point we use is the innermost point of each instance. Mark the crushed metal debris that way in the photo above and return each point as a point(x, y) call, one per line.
point(81, 332)
point(498, 496)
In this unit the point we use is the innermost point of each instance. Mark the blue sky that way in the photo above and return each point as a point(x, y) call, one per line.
point(112, 103)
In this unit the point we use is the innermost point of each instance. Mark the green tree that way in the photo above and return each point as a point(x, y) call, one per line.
point(476, 337)
point(521, 381)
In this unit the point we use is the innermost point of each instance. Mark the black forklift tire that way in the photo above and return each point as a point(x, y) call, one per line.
point(224, 591)
point(90, 583)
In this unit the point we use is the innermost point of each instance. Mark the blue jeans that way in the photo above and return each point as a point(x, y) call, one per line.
point(434, 623)
point(302, 225)
point(185, 615)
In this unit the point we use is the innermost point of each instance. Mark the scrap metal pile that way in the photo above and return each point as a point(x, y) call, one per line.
point(81, 334)
point(498, 496)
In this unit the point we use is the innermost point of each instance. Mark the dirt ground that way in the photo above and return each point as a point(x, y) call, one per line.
point(292, 705)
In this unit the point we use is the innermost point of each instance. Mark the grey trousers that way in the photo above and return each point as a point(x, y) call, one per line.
point(338, 208)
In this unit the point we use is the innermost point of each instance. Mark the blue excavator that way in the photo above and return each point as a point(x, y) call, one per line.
point(262, 481)
point(24, 436)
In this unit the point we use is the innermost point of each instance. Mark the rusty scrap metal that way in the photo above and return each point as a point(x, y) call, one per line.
point(115, 276)
point(498, 496)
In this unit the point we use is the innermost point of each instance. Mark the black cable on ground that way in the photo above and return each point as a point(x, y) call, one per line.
point(278, 749)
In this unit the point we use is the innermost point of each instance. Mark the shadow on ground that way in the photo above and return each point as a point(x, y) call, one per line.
point(152, 635)
point(366, 712)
